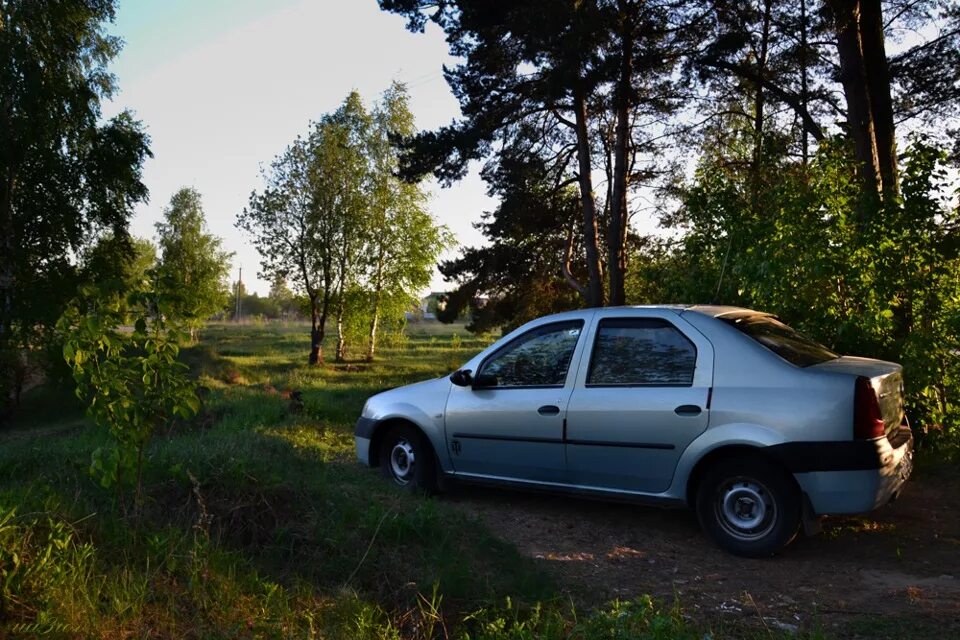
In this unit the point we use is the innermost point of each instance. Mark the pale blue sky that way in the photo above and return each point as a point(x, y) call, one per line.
point(224, 85)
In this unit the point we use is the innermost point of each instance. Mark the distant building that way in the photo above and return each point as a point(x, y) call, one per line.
point(435, 302)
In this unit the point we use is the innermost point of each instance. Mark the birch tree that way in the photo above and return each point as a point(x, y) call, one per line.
point(404, 241)
point(292, 235)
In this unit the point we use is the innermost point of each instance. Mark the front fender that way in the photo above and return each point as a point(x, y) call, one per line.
point(734, 434)
point(431, 426)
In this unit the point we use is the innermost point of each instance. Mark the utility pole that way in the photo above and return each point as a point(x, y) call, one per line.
point(239, 286)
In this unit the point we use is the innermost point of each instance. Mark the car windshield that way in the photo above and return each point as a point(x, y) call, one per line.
point(784, 341)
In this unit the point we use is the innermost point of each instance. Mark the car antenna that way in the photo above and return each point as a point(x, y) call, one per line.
point(723, 270)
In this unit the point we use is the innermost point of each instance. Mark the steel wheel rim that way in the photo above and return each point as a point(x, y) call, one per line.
point(402, 461)
point(745, 509)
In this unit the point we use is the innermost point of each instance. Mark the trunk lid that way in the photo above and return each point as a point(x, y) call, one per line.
point(886, 378)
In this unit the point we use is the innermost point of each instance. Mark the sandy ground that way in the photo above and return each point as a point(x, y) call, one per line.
point(898, 564)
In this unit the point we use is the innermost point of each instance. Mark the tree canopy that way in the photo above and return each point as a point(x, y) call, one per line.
point(193, 267)
point(336, 223)
point(608, 93)
point(65, 173)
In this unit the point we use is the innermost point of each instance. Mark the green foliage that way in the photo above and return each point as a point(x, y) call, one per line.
point(517, 276)
point(118, 257)
point(866, 279)
point(42, 567)
point(131, 381)
point(193, 268)
point(66, 173)
point(640, 619)
point(283, 299)
point(336, 222)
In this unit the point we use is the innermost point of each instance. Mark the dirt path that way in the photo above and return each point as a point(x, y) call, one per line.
point(898, 566)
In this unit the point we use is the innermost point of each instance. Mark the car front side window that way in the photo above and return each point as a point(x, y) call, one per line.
point(641, 352)
point(539, 358)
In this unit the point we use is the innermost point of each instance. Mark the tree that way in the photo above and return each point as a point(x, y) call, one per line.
point(290, 234)
point(283, 298)
point(294, 223)
point(800, 55)
point(64, 173)
point(122, 258)
point(579, 79)
point(193, 267)
point(131, 382)
point(335, 221)
point(517, 273)
point(403, 242)
point(344, 166)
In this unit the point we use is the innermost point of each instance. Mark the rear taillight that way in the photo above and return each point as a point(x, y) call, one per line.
point(867, 420)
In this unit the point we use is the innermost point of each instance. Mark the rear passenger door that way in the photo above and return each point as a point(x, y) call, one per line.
point(640, 397)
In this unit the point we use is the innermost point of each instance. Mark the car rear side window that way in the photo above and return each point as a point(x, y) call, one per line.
point(783, 340)
point(641, 352)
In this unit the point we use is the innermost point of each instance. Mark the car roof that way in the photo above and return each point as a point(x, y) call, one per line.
point(711, 310)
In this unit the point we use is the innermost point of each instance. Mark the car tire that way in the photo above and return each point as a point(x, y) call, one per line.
point(407, 460)
point(748, 506)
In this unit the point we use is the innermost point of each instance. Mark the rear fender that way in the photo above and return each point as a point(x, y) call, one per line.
point(733, 436)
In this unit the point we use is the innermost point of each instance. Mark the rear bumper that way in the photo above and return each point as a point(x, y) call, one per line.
point(872, 477)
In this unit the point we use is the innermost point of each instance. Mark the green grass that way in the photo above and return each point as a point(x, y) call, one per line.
point(258, 523)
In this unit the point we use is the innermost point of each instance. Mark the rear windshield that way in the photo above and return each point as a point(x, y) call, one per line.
point(787, 343)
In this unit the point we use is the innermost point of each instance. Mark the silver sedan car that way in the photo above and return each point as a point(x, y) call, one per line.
point(722, 409)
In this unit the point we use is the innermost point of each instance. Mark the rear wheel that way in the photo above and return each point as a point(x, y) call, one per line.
point(748, 506)
point(407, 459)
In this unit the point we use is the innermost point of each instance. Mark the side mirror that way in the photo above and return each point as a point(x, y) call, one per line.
point(462, 378)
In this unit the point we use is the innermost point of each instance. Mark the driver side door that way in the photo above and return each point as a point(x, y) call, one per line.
point(510, 423)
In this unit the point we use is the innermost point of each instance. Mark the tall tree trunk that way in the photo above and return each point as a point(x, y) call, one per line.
point(878, 88)
point(341, 309)
point(324, 314)
point(759, 105)
point(594, 296)
point(804, 81)
point(7, 279)
point(375, 312)
point(854, 79)
point(567, 269)
point(320, 330)
point(341, 338)
point(619, 218)
point(374, 326)
point(316, 332)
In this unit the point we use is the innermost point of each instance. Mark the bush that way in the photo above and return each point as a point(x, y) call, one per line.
point(863, 278)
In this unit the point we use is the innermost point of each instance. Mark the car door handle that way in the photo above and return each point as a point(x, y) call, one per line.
point(687, 410)
point(548, 410)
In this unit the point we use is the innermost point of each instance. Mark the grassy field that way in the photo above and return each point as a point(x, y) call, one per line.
point(258, 522)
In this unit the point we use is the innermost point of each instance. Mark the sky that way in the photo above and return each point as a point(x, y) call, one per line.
point(222, 86)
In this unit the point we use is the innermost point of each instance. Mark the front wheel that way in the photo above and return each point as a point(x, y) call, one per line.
point(407, 459)
point(748, 506)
